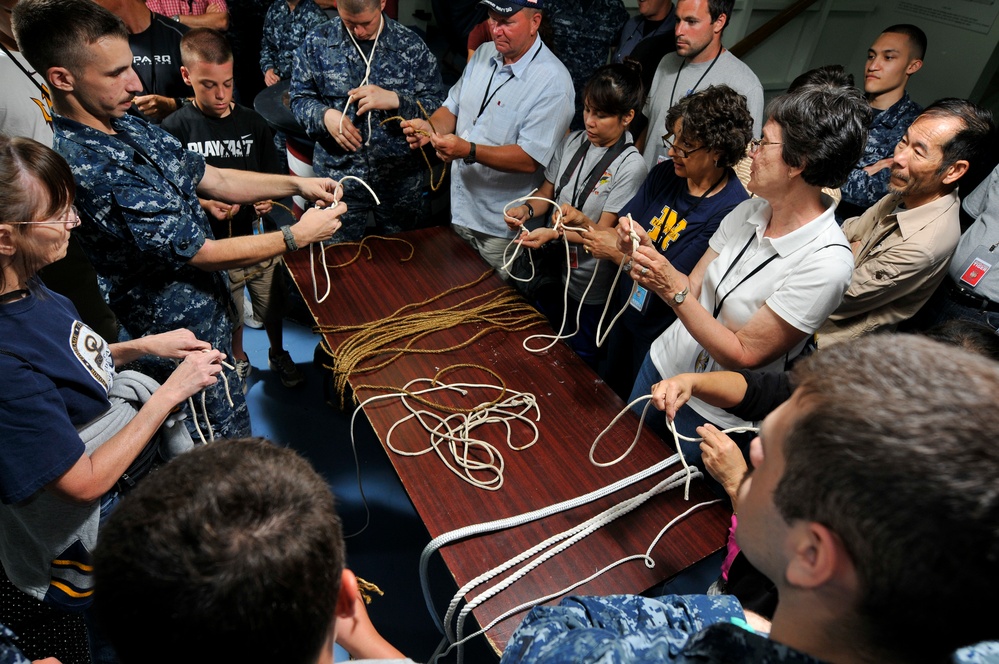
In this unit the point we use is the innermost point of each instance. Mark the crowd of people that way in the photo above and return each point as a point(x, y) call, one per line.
point(738, 262)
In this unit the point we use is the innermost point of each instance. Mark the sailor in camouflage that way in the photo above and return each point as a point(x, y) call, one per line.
point(330, 67)
point(285, 27)
point(143, 225)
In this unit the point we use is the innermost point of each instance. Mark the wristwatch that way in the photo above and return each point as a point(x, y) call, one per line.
point(678, 298)
point(470, 158)
point(630, 263)
point(289, 238)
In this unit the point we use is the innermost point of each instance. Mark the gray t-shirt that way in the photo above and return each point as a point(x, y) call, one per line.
point(672, 83)
point(973, 266)
point(615, 188)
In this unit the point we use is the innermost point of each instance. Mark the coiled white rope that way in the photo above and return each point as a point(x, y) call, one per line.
point(367, 71)
point(337, 195)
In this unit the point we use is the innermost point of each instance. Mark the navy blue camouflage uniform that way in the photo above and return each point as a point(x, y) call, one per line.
point(861, 190)
point(634, 629)
point(284, 31)
point(327, 66)
point(142, 223)
point(584, 33)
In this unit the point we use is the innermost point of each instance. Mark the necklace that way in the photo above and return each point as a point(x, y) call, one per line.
point(14, 295)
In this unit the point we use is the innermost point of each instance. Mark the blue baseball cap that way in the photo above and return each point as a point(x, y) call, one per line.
point(511, 7)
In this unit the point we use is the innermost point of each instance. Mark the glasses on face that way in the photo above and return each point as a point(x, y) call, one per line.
point(72, 221)
point(670, 144)
point(757, 144)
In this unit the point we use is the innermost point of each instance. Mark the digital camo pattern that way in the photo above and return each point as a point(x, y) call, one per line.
point(9, 652)
point(885, 132)
point(142, 223)
point(327, 67)
point(284, 31)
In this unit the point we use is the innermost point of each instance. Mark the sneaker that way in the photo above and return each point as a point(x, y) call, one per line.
point(249, 319)
point(286, 368)
point(243, 369)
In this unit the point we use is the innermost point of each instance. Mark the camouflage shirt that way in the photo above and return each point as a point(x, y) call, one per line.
point(630, 628)
point(328, 65)
point(9, 652)
point(142, 224)
point(886, 130)
point(284, 31)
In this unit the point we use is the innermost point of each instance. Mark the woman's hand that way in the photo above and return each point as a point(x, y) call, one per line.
point(176, 344)
point(575, 218)
point(195, 373)
point(671, 394)
point(723, 459)
point(516, 216)
point(653, 271)
point(602, 243)
point(537, 237)
point(625, 241)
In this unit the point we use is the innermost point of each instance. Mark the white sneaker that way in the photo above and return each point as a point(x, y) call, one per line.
point(249, 319)
point(243, 369)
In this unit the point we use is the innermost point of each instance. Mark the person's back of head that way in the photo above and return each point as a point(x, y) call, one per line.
point(830, 76)
point(55, 33)
point(893, 454)
point(232, 552)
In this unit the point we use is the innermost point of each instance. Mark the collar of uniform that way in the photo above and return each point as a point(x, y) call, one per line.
point(786, 245)
point(383, 39)
point(520, 66)
point(77, 132)
point(904, 109)
point(912, 221)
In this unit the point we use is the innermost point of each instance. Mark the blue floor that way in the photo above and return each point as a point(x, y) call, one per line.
point(387, 551)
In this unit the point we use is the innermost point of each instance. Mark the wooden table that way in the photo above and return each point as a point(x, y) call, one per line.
point(575, 405)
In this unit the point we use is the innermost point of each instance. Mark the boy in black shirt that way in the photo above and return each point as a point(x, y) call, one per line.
point(231, 136)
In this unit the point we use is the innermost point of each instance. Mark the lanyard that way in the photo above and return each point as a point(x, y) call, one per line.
point(744, 279)
point(486, 98)
point(700, 198)
point(672, 94)
point(582, 192)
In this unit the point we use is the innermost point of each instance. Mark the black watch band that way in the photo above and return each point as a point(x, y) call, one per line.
point(289, 238)
point(470, 158)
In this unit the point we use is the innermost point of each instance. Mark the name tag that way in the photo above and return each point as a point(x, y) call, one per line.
point(975, 272)
point(639, 298)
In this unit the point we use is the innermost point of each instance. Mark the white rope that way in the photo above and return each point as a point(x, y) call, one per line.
point(602, 337)
point(367, 72)
point(337, 195)
point(204, 407)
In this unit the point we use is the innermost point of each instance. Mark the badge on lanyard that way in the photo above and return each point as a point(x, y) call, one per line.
point(573, 257)
point(639, 298)
point(977, 268)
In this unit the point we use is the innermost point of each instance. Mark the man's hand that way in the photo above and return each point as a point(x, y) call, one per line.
point(218, 209)
point(878, 166)
point(175, 344)
point(417, 132)
point(317, 189)
point(350, 139)
point(155, 106)
point(263, 207)
point(372, 97)
point(270, 78)
point(449, 147)
point(318, 224)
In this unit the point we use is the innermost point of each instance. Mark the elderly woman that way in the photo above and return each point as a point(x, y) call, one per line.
point(778, 264)
point(679, 206)
point(71, 428)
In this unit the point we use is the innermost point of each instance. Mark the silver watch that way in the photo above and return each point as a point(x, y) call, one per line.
point(678, 298)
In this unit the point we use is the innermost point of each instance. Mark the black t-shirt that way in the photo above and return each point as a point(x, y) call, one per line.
point(156, 57)
point(241, 140)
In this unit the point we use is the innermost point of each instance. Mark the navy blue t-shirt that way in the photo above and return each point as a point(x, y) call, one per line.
point(680, 227)
point(56, 376)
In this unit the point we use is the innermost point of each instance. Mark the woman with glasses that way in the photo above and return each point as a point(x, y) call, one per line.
point(679, 205)
point(777, 266)
point(71, 428)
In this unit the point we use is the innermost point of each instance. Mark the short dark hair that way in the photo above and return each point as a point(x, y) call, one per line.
point(234, 548)
point(35, 183)
point(718, 117)
point(204, 45)
point(358, 6)
point(832, 76)
point(718, 7)
point(616, 88)
point(893, 452)
point(974, 141)
point(970, 335)
point(824, 131)
point(55, 33)
point(917, 38)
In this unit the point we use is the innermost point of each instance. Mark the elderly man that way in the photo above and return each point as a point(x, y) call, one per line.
point(894, 56)
point(349, 76)
point(700, 61)
point(903, 244)
point(500, 124)
point(138, 188)
point(870, 506)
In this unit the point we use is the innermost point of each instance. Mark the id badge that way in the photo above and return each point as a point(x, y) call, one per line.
point(978, 267)
point(465, 134)
point(661, 158)
point(573, 257)
point(639, 298)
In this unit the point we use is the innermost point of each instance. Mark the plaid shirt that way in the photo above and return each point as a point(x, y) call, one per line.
point(183, 7)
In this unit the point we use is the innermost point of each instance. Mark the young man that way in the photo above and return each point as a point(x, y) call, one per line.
point(500, 125)
point(138, 188)
point(228, 135)
point(894, 56)
point(700, 61)
point(903, 244)
point(234, 551)
point(871, 506)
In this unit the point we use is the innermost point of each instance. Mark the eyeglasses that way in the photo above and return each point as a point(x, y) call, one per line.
point(72, 222)
point(757, 144)
point(670, 144)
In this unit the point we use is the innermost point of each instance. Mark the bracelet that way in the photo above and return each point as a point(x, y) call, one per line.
point(530, 210)
point(289, 238)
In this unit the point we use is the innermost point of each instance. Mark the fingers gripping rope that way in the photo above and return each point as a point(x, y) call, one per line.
point(337, 195)
point(367, 72)
point(204, 407)
point(602, 336)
